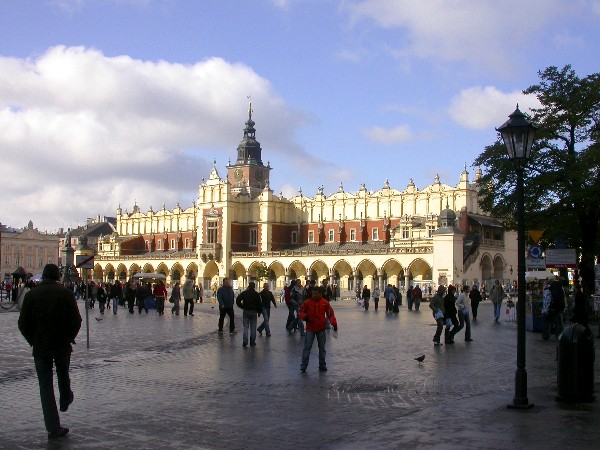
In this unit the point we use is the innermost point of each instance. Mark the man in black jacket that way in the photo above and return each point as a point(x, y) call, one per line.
point(267, 298)
point(50, 321)
point(251, 303)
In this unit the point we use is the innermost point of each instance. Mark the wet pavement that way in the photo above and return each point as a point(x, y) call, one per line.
point(150, 382)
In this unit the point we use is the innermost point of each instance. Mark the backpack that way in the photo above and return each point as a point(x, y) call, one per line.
point(558, 296)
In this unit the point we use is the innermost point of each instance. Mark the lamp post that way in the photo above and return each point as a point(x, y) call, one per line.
point(518, 134)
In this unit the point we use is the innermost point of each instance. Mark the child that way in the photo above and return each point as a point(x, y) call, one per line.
point(314, 311)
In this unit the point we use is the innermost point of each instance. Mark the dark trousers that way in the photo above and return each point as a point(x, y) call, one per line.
point(43, 367)
point(130, 302)
point(160, 305)
point(229, 312)
point(188, 302)
point(376, 302)
point(291, 319)
point(439, 329)
point(474, 306)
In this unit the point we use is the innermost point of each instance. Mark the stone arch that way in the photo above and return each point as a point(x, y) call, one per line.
point(98, 275)
point(148, 268)
point(342, 275)
point(421, 272)
point(278, 271)
point(109, 272)
point(392, 272)
point(211, 277)
point(192, 271)
point(176, 273)
point(486, 269)
point(238, 274)
point(319, 271)
point(499, 267)
point(162, 268)
point(367, 273)
point(133, 269)
point(297, 271)
point(122, 272)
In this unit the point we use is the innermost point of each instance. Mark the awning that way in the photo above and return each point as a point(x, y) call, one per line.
point(486, 221)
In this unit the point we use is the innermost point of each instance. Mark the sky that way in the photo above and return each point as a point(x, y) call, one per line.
point(108, 103)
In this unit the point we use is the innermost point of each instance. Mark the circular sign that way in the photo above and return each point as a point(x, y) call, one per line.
point(535, 251)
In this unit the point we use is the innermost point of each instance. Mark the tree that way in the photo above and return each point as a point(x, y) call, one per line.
point(261, 270)
point(562, 178)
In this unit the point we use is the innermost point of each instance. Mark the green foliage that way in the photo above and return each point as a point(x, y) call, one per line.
point(261, 270)
point(562, 182)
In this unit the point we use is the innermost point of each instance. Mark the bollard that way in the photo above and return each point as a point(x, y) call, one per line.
point(576, 355)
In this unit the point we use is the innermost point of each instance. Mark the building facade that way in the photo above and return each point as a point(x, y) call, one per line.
point(26, 248)
point(238, 228)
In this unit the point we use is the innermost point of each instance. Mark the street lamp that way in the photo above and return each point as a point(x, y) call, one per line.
point(518, 134)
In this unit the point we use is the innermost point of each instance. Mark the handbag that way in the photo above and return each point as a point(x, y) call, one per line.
point(439, 314)
point(171, 300)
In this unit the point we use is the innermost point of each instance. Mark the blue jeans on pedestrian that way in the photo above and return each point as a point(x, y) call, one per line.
point(266, 313)
point(249, 319)
point(497, 308)
point(115, 304)
point(43, 368)
point(464, 320)
point(308, 343)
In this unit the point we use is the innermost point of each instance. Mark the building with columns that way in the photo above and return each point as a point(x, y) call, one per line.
point(430, 236)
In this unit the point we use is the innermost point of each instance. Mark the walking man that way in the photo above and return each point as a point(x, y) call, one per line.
point(50, 321)
point(314, 311)
point(267, 298)
point(187, 290)
point(496, 295)
point(225, 297)
point(251, 303)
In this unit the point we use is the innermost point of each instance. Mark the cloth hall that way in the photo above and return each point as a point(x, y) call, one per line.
point(238, 228)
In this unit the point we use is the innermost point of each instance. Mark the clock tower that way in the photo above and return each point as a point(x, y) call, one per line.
point(248, 175)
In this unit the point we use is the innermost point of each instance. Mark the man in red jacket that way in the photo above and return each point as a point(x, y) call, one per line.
point(314, 311)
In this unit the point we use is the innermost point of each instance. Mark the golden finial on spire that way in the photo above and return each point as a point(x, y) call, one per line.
point(249, 96)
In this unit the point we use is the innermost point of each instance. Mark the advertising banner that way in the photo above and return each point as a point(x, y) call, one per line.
point(561, 257)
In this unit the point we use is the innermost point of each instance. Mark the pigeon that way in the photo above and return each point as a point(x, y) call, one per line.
point(98, 318)
point(420, 358)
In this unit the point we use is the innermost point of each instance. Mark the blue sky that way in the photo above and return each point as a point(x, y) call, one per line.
point(108, 102)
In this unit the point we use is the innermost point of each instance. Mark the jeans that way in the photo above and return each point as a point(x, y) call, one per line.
point(115, 304)
point(160, 305)
point(295, 321)
point(497, 308)
point(266, 313)
point(464, 320)
point(43, 367)
point(188, 302)
point(308, 342)
point(450, 332)
point(249, 318)
point(229, 312)
point(291, 318)
point(376, 302)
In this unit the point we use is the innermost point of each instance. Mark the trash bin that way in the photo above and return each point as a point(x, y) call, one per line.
point(576, 356)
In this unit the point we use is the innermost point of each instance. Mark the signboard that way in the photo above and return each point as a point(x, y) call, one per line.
point(84, 261)
point(561, 257)
point(535, 251)
point(535, 263)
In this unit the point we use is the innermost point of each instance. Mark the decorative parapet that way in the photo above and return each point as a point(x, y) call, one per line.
point(341, 252)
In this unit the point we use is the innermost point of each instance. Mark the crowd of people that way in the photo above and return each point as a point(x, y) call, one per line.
point(309, 312)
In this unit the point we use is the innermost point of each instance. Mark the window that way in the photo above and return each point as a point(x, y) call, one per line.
point(17, 260)
point(187, 243)
point(253, 237)
point(375, 234)
point(311, 237)
point(353, 234)
point(172, 244)
point(294, 237)
point(211, 231)
point(159, 244)
point(405, 233)
point(331, 235)
point(430, 230)
point(6, 259)
point(29, 261)
point(148, 245)
point(41, 262)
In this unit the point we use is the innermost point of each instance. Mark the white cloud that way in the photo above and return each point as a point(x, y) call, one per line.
point(388, 136)
point(81, 132)
point(480, 108)
point(480, 32)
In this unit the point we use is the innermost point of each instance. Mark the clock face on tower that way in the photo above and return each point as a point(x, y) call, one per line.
point(238, 174)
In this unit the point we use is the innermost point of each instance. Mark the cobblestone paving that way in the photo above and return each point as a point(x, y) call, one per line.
point(174, 382)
